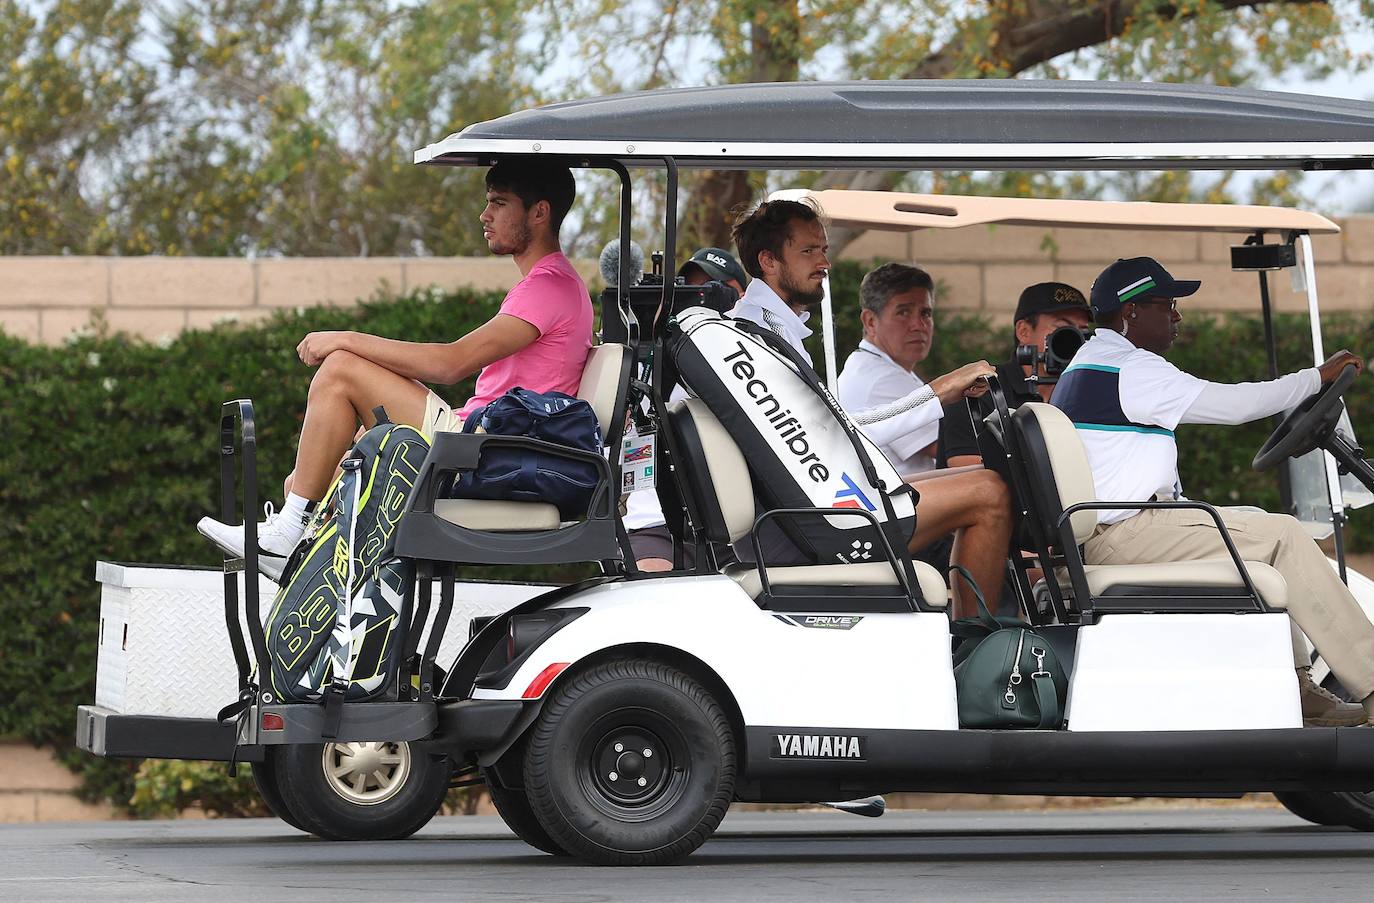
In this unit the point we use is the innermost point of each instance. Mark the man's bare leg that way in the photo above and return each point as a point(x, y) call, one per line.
point(976, 508)
point(344, 391)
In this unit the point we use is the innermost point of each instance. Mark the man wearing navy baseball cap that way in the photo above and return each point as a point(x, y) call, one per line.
point(1125, 401)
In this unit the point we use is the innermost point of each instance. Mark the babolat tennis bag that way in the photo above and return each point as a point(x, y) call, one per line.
point(338, 623)
point(801, 448)
point(520, 474)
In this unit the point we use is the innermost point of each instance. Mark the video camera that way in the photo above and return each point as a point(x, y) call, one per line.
point(1060, 347)
point(646, 296)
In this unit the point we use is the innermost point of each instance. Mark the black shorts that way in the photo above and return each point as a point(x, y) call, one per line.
point(657, 542)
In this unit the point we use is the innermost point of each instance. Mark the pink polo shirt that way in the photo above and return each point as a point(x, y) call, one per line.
point(553, 299)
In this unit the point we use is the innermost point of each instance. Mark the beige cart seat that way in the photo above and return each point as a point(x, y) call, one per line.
point(1049, 436)
point(721, 479)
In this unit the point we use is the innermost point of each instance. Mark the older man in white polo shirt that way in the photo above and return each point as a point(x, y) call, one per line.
point(898, 315)
point(1125, 400)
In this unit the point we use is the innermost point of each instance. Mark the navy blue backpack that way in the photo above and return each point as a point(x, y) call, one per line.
point(517, 474)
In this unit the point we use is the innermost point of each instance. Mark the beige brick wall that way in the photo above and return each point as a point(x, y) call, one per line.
point(45, 299)
point(38, 788)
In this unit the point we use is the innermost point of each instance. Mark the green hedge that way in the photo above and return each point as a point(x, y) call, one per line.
point(111, 453)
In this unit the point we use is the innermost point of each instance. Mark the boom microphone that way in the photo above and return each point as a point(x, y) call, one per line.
point(610, 262)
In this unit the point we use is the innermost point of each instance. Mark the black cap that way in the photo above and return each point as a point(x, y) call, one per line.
point(1049, 297)
point(1136, 279)
point(719, 264)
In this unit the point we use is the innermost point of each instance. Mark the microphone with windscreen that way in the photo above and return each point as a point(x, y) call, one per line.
point(610, 262)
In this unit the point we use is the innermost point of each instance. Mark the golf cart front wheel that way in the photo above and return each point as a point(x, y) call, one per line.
point(631, 763)
point(360, 791)
point(1331, 807)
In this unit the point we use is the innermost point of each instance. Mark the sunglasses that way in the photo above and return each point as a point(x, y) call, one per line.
point(1171, 303)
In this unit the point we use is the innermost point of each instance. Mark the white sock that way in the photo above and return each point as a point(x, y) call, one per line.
point(296, 508)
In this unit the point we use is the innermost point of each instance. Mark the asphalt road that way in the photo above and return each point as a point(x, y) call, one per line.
point(1131, 854)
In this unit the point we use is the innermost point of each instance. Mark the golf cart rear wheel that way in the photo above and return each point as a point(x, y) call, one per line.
point(514, 808)
point(361, 791)
point(630, 763)
point(265, 779)
point(1331, 807)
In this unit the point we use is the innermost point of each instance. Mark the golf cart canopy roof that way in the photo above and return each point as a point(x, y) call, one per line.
point(959, 124)
point(898, 212)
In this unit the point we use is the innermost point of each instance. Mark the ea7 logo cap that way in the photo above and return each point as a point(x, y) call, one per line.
point(1136, 279)
point(718, 264)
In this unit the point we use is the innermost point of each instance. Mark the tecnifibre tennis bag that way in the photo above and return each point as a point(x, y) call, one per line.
point(802, 450)
point(340, 618)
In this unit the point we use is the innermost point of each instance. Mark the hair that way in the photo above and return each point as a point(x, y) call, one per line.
point(890, 279)
point(533, 181)
point(767, 228)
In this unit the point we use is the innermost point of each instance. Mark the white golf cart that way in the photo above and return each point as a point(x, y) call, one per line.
point(617, 719)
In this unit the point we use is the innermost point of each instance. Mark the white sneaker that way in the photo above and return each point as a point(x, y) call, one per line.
point(277, 538)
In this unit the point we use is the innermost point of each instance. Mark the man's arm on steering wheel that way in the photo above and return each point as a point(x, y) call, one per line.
point(1232, 404)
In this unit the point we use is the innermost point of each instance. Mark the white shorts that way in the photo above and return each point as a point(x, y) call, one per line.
point(439, 417)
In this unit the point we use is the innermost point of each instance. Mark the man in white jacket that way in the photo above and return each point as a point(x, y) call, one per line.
point(783, 246)
point(1125, 401)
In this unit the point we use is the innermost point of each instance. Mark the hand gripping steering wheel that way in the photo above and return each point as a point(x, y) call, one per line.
point(1308, 425)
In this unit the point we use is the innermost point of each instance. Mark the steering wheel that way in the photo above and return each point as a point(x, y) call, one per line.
point(1306, 426)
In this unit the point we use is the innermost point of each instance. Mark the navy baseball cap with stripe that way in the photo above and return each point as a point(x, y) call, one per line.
point(1136, 279)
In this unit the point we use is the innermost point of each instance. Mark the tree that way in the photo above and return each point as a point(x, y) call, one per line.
point(72, 91)
point(248, 126)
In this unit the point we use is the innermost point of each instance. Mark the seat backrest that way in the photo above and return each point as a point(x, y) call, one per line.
point(601, 382)
point(1057, 469)
point(715, 470)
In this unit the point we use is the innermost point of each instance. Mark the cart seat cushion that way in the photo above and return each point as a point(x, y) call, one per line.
point(716, 469)
point(601, 381)
point(932, 586)
point(1208, 572)
point(498, 516)
point(1052, 441)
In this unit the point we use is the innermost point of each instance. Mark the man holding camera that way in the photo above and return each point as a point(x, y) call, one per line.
point(1042, 309)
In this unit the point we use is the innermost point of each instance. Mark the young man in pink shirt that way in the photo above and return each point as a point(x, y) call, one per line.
point(538, 339)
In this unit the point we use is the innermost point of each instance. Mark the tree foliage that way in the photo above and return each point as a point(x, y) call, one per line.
point(248, 126)
point(288, 126)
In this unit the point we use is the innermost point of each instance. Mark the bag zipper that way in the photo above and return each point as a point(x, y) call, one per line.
point(1014, 679)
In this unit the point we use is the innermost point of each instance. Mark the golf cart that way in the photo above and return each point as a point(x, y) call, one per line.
point(616, 719)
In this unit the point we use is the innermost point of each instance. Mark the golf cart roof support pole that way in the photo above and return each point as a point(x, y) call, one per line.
point(622, 290)
point(669, 234)
point(828, 336)
point(1333, 479)
point(1272, 354)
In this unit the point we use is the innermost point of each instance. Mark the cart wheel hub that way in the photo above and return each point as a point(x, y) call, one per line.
point(630, 765)
point(366, 774)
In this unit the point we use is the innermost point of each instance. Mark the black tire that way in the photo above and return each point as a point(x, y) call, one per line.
point(265, 779)
point(331, 807)
point(514, 808)
point(1335, 808)
point(611, 804)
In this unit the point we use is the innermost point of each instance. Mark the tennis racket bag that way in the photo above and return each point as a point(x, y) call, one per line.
point(339, 620)
point(801, 448)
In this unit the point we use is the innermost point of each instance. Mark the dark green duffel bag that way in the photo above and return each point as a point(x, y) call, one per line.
point(1006, 675)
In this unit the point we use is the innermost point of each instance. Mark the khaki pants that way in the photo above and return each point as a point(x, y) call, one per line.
point(1317, 600)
